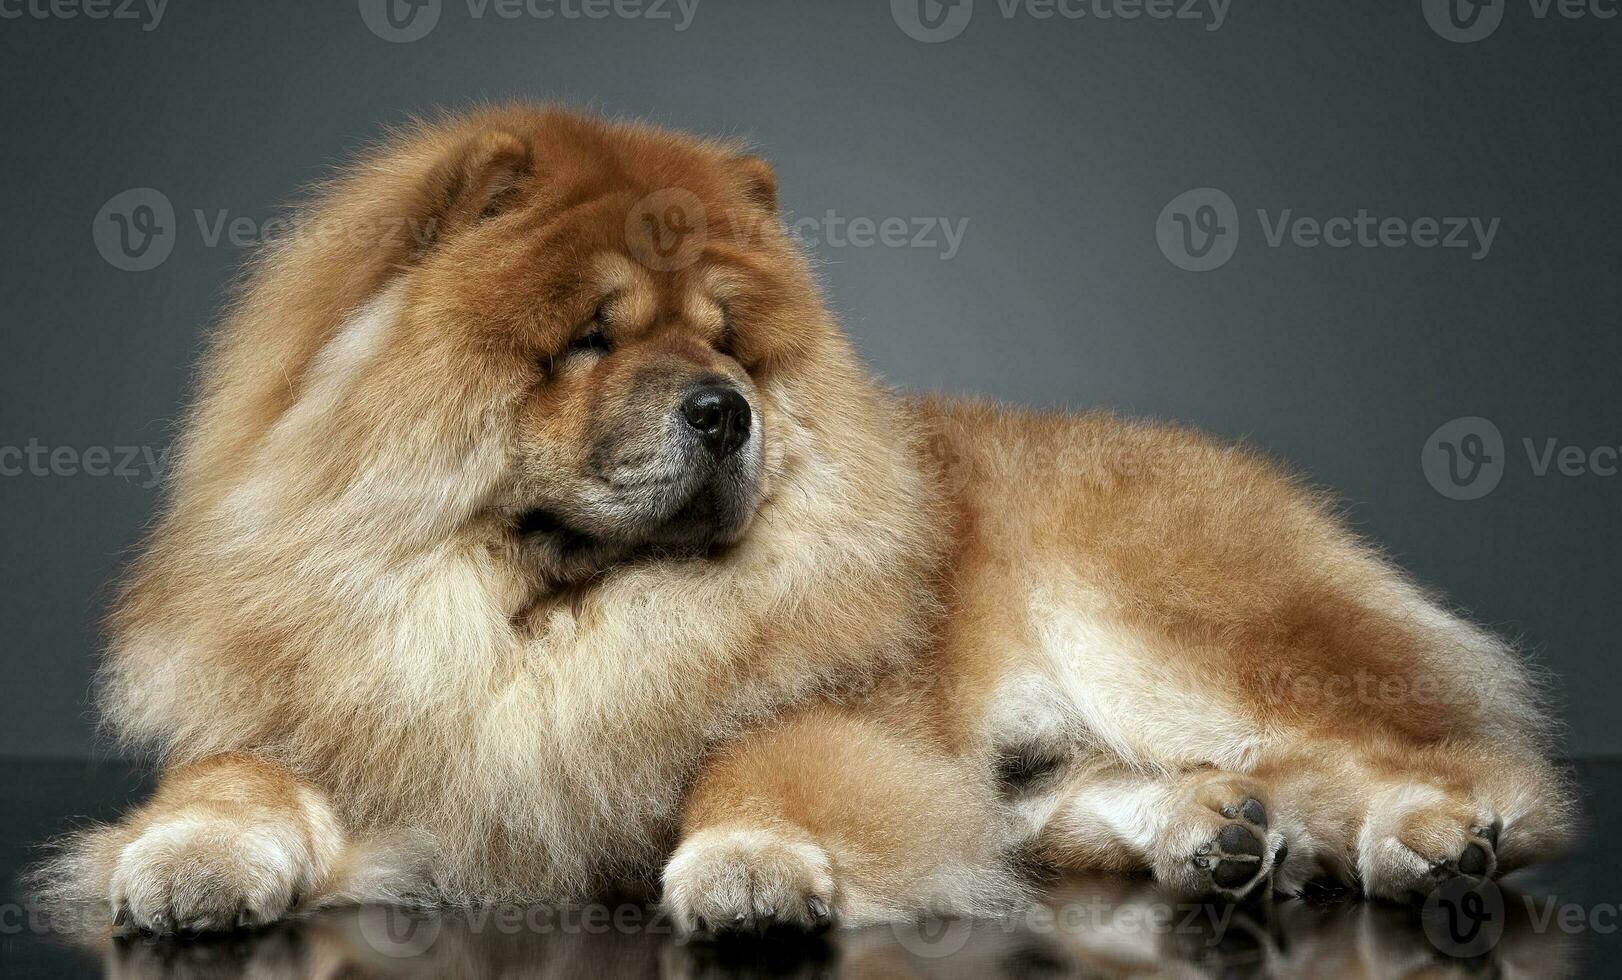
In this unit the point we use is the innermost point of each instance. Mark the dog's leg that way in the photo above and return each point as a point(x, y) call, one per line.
point(1203, 833)
point(826, 816)
point(1433, 813)
point(1394, 820)
point(226, 842)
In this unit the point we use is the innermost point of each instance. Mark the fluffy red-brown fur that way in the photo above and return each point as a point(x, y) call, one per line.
point(942, 634)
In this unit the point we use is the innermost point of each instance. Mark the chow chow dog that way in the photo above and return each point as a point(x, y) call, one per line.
point(537, 534)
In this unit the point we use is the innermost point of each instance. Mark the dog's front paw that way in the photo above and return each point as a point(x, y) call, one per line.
point(748, 879)
point(209, 873)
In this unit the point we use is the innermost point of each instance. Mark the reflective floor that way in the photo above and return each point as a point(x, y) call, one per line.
point(1561, 920)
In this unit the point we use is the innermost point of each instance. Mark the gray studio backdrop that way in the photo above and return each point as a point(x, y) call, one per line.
point(1378, 240)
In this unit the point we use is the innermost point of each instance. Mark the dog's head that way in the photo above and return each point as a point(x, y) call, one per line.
point(520, 368)
point(646, 427)
point(583, 332)
point(646, 431)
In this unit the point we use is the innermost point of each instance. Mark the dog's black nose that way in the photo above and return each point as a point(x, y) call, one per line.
point(721, 416)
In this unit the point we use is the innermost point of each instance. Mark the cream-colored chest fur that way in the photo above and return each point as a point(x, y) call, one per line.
point(537, 762)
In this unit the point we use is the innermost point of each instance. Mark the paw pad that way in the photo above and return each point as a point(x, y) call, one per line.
point(1474, 861)
point(1478, 859)
point(1251, 810)
point(1233, 858)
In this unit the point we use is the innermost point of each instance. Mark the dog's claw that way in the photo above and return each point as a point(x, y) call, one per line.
point(821, 917)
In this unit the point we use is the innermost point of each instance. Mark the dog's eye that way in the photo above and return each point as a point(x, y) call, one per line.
point(724, 343)
point(594, 340)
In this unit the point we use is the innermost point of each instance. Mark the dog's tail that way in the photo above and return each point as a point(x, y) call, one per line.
point(81, 887)
point(66, 891)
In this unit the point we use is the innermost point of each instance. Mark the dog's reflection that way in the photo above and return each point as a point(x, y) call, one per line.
point(1103, 928)
point(1114, 928)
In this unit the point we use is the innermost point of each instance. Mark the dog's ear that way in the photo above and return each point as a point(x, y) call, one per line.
point(474, 183)
point(759, 182)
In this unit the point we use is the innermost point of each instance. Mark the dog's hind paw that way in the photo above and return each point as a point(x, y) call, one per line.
point(1419, 837)
point(1220, 845)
